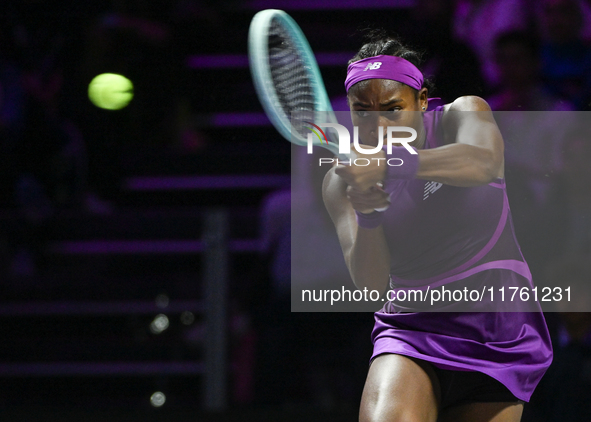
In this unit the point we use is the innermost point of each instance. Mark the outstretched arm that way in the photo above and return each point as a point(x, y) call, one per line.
point(472, 154)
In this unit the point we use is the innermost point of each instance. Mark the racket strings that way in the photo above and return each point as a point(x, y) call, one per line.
point(291, 78)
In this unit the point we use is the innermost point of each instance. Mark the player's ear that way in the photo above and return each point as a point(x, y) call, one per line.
point(423, 95)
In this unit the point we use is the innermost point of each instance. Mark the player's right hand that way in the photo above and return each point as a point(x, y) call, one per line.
point(367, 201)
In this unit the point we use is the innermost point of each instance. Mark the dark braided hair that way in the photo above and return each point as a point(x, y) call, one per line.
point(380, 42)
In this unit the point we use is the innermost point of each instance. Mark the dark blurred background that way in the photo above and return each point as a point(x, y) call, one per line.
point(144, 251)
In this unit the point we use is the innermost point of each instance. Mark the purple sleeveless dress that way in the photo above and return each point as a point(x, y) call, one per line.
point(445, 235)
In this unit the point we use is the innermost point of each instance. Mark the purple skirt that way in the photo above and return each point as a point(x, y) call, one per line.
point(511, 347)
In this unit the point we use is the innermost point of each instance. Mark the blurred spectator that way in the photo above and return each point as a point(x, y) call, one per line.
point(573, 190)
point(451, 63)
point(479, 22)
point(562, 224)
point(533, 135)
point(275, 329)
point(533, 141)
point(51, 164)
point(566, 55)
point(518, 67)
point(543, 7)
point(52, 150)
point(45, 154)
point(12, 99)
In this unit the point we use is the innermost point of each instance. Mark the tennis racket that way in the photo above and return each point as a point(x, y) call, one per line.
point(288, 82)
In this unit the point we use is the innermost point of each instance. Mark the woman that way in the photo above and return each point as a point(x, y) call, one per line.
point(447, 223)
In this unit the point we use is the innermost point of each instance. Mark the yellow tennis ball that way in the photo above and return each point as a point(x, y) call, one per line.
point(110, 91)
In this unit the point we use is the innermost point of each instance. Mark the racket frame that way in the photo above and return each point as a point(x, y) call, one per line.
point(258, 53)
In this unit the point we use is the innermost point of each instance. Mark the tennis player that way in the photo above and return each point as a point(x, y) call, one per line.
point(447, 223)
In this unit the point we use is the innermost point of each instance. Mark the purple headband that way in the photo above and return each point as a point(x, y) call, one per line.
point(384, 67)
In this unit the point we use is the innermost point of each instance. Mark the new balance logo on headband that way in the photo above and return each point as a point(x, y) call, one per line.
point(372, 66)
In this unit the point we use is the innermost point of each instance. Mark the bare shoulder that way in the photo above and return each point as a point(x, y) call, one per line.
point(468, 103)
point(454, 120)
point(469, 120)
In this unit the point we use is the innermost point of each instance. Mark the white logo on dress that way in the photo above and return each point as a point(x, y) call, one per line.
point(431, 187)
point(372, 66)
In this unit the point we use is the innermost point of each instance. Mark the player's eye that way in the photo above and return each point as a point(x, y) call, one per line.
point(362, 113)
